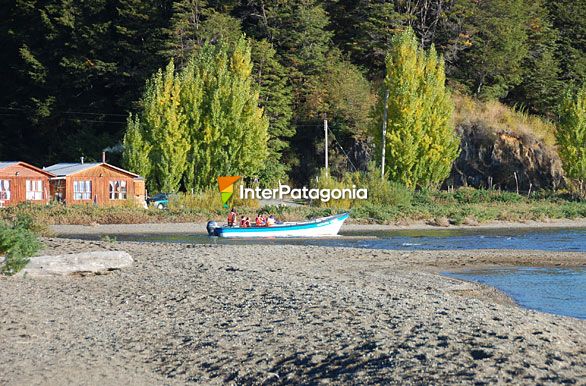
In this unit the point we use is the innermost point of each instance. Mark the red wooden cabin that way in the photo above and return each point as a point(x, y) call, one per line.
point(95, 183)
point(21, 182)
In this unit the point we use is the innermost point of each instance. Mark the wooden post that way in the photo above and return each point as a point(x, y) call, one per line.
point(384, 138)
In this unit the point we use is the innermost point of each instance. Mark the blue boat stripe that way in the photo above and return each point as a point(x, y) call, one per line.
point(286, 227)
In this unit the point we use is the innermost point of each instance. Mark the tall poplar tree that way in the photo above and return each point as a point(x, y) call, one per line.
point(229, 134)
point(136, 149)
point(571, 135)
point(200, 123)
point(163, 121)
point(421, 143)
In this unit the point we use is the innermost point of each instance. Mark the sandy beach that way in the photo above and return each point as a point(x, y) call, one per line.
point(281, 314)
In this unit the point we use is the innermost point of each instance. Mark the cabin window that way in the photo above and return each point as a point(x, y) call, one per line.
point(118, 190)
point(82, 190)
point(4, 189)
point(34, 190)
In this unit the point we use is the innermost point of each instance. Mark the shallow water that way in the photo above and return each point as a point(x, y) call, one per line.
point(559, 291)
point(546, 239)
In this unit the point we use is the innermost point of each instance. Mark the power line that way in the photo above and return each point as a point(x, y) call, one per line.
point(343, 151)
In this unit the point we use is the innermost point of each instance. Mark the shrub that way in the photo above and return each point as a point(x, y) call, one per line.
point(18, 243)
point(384, 192)
point(381, 192)
point(325, 181)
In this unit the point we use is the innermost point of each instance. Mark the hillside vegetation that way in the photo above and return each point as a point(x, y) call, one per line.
point(496, 116)
point(77, 71)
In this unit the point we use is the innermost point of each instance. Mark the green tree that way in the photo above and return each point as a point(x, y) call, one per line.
point(492, 64)
point(540, 87)
point(345, 97)
point(136, 35)
point(183, 33)
point(163, 120)
point(137, 150)
point(365, 28)
point(421, 143)
point(200, 123)
point(569, 18)
point(571, 135)
point(276, 98)
point(194, 23)
point(229, 135)
point(298, 30)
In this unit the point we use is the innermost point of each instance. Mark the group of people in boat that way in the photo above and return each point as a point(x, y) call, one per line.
point(262, 220)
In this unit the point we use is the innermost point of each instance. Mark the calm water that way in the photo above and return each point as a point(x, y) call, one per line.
point(541, 239)
point(559, 291)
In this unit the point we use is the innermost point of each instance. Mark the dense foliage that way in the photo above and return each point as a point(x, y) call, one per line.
point(18, 241)
point(421, 142)
point(199, 123)
point(571, 135)
point(73, 71)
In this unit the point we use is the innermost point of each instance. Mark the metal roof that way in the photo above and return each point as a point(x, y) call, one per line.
point(66, 169)
point(7, 164)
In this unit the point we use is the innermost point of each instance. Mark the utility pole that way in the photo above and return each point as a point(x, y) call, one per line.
point(384, 139)
point(326, 136)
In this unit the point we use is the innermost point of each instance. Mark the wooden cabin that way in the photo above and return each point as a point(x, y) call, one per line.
point(95, 183)
point(22, 182)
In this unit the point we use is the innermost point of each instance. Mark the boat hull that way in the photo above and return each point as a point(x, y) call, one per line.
point(327, 226)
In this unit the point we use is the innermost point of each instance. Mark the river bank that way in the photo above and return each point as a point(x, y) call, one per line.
point(281, 314)
point(200, 227)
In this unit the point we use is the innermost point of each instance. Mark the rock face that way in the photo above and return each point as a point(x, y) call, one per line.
point(492, 158)
point(77, 263)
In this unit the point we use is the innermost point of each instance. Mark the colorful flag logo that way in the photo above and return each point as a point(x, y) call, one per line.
point(226, 185)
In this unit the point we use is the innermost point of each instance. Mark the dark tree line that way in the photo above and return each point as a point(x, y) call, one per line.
point(72, 71)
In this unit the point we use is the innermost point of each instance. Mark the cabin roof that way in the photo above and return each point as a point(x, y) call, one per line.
point(67, 169)
point(6, 164)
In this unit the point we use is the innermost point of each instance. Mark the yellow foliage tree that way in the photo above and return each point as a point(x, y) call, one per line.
point(571, 136)
point(421, 143)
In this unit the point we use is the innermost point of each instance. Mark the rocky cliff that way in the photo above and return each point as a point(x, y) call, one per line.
point(504, 159)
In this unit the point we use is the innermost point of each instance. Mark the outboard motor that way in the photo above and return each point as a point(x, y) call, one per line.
point(211, 227)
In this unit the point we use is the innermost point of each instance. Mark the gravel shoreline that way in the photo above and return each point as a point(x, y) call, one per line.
point(282, 314)
point(200, 228)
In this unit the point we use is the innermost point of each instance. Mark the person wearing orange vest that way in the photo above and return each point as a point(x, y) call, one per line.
point(247, 222)
point(258, 220)
point(232, 217)
point(242, 222)
point(271, 221)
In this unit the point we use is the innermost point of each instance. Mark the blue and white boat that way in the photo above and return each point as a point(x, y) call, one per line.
point(320, 227)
